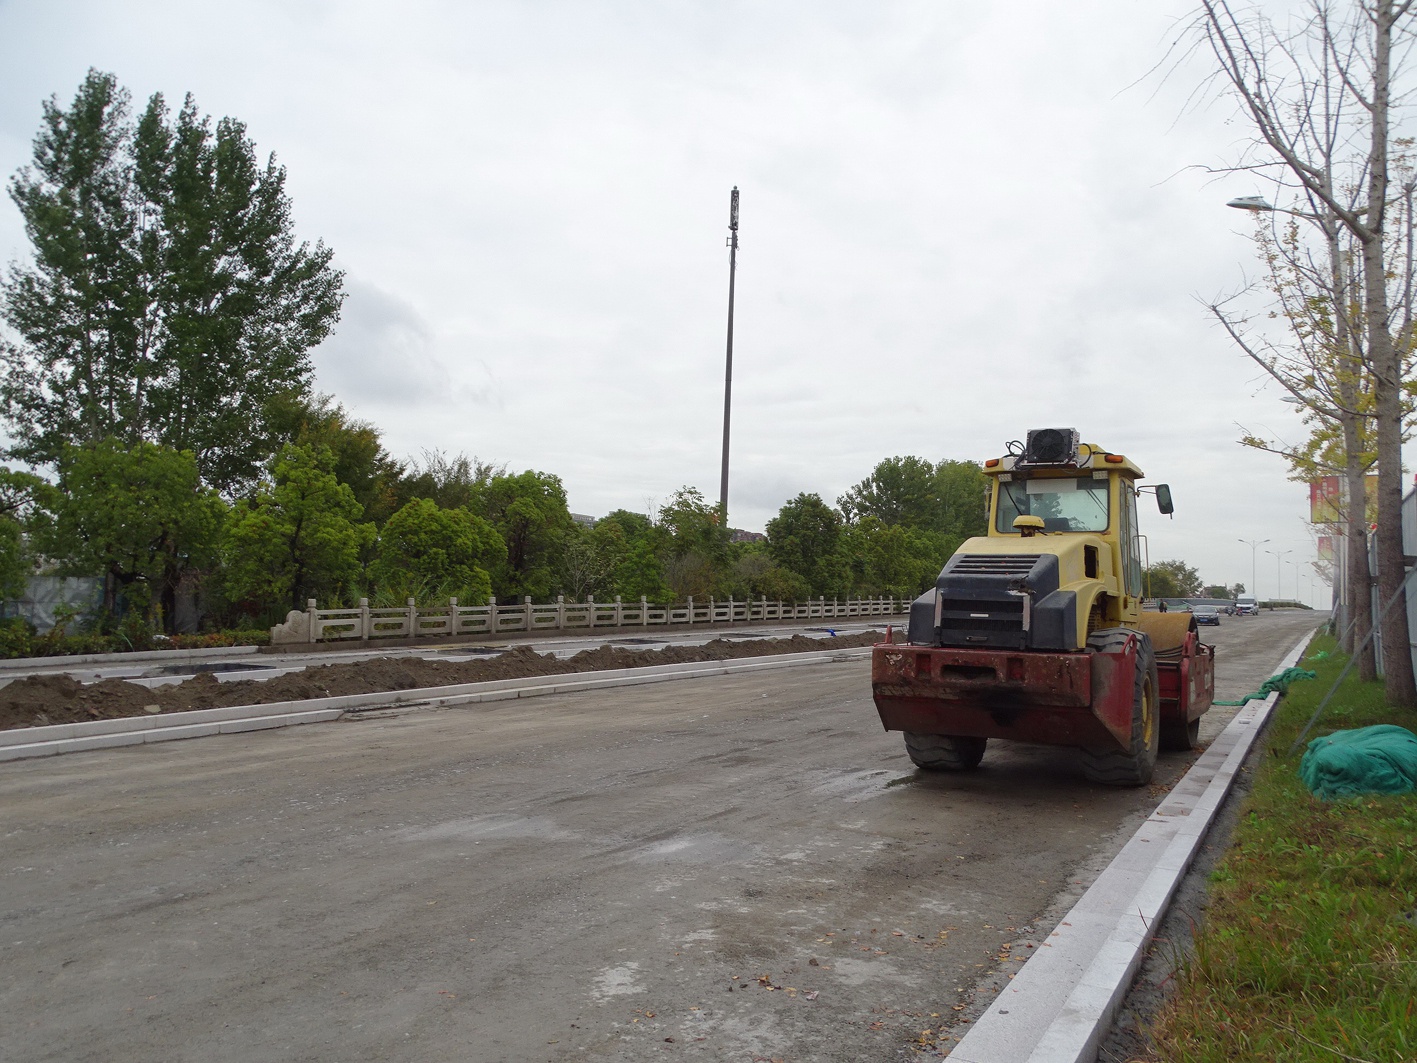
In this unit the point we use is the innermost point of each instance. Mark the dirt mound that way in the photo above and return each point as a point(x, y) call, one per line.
point(51, 699)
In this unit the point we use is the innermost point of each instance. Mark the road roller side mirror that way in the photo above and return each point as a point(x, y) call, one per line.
point(1163, 499)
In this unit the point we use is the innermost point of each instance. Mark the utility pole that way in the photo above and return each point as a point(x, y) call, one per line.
point(728, 371)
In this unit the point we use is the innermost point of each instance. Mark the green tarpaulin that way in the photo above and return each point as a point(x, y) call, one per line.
point(1278, 682)
point(1368, 760)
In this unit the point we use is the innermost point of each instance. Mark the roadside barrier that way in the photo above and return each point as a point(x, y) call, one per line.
point(365, 623)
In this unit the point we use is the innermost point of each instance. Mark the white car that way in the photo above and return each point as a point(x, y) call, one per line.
point(1247, 607)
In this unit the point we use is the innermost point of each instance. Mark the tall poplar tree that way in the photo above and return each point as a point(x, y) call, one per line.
point(168, 300)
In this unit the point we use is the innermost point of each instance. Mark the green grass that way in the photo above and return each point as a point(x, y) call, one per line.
point(1309, 948)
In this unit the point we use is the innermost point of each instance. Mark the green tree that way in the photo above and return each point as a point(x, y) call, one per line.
point(529, 512)
point(21, 494)
point(695, 546)
point(756, 575)
point(891, 560)
point(691, 524)
point(634, 526)
point(360, 459)
point(963, 491)
point(636, 546)
point(14, 564)
point(640, 574)
point(805, 538)
point(297, 538)
point(139, 515)
point(438, 551)
point(606, 560)
point(898, 491)
point(947, 499)
point(1172, 579)
point(451, 482)
point(588, 562)
point(168, 300)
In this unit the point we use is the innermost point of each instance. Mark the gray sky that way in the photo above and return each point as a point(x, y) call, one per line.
point(959, 221)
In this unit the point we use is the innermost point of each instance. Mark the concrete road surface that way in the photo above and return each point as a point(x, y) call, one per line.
point(739, 868)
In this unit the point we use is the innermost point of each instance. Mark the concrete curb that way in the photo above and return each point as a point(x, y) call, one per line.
point(1059, 1006)
point(26, 742)
point(40, 664)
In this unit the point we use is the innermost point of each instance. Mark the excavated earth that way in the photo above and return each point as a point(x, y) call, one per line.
point(36, 701)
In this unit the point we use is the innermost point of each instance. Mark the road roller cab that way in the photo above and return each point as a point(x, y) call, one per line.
point(1036, 630)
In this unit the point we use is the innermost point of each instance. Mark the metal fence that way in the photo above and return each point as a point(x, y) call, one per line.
point(364, 623)
point(44, 595)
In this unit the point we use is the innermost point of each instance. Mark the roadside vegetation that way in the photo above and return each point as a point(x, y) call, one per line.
point(1309, 948)
point(18, 639)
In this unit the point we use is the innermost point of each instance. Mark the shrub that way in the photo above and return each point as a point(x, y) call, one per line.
point(16, 638)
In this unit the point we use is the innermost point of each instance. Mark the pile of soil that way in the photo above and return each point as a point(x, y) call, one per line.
point(50, 699)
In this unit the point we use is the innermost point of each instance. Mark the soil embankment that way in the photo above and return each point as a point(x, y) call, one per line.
point(52, 699)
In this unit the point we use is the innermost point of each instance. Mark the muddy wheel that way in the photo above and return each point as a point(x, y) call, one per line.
point(1181, 738)
point(1134, 765)
point(945, 752)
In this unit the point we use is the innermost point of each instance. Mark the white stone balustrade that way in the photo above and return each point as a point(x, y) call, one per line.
point(408, 621)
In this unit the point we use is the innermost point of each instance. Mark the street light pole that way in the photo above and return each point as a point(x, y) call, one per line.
point(728, 370)
point(1254, 544)
point(1347, 582)
point(1278, 570)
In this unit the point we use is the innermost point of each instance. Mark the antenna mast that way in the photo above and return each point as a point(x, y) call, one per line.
point(728, 371)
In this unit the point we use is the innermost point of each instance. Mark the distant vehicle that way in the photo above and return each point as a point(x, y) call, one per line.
point(1247, 607)
point(1206, 614)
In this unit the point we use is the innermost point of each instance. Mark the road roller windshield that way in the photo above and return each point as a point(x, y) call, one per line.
point(1065, 504)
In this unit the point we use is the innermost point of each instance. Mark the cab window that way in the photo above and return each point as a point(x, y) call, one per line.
point(1131, 539)
point(1070, 504)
